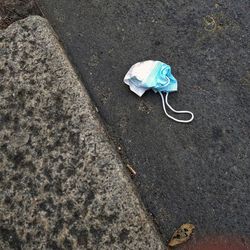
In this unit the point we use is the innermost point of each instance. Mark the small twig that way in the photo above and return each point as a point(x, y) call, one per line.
point(132, 171)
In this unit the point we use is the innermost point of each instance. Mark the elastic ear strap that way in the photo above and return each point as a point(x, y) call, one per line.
point(175, 111)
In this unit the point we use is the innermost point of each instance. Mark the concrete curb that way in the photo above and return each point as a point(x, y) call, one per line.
point(62, 186)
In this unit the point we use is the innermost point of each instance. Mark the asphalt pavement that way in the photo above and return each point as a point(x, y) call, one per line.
point(196, 172)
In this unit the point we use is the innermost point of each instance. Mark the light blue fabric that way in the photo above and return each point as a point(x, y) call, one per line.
point(150, 74)
point(161, 79)
point(157, 76)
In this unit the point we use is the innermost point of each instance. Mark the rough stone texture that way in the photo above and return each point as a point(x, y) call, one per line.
point(62, 185)
point(196, 172)
point(13, 10)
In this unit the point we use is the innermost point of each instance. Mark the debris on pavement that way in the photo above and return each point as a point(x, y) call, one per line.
point(157, 76)
point(132, 171)
point(181, 235)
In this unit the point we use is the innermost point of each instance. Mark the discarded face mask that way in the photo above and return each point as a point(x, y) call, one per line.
point(157, 76)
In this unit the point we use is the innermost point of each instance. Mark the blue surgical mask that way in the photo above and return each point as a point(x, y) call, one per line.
point(157, 76)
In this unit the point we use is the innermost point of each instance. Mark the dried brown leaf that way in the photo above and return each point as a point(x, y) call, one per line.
point(181, 235)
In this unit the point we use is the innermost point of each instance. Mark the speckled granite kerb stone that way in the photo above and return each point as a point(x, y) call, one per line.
point(62, 185)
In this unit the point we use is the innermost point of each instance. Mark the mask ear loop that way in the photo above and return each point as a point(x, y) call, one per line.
point(175, 111)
